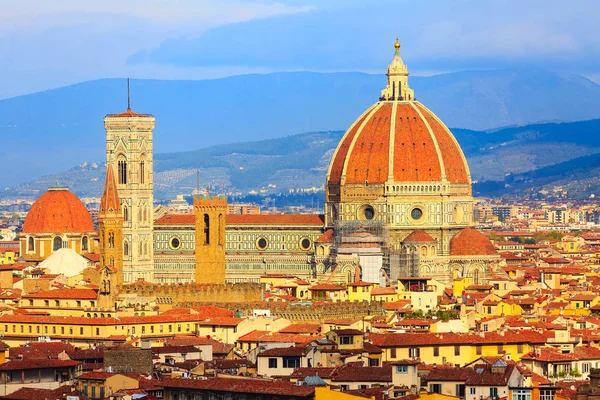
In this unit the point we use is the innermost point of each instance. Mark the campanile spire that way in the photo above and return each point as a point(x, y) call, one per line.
point(397, 75)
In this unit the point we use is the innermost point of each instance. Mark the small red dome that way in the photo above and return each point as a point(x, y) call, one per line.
point(471, 242)
point(58, 211)
point(419, 236)
point(398, 141)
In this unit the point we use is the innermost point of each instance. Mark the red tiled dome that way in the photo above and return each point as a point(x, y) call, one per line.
point(58, 211)
point(421, 148)
point(471, 242)
point(419, 236)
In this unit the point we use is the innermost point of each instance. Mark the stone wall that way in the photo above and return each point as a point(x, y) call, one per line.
point(128, 360)
point(193, 292)
point(305, 312)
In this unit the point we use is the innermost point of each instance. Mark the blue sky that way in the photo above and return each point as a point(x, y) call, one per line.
point(45, 45)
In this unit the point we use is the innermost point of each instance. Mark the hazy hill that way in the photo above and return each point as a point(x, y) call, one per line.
point(48, 132)
point(531, 156)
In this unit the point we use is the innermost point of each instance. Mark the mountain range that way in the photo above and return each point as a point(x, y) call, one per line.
point(514, 160)
point(46, 133)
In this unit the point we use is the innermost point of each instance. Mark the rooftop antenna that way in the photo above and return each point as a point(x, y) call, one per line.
point(198, 180)
point(128, 96)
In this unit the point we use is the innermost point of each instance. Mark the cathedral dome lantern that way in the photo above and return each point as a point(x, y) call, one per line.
point(397, 75)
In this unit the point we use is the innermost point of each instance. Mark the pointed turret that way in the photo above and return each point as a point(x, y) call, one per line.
point(110, 227)
point(110, 203)
point(397, 74)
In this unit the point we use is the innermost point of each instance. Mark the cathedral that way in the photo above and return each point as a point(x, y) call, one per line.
point(398, 204)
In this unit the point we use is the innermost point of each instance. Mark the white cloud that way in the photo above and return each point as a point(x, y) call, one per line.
point(45, 44)
point(20, 13)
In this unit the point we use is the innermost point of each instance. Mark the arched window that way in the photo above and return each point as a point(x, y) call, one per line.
point(111, 240)
point(30, 244)
point(206, 229)
point(112, 261)
point(476, 277)
point(122, 166)
point(126, 248)
point(125, 213)
point(142, 170)
point(56, 243)
point(84, 243)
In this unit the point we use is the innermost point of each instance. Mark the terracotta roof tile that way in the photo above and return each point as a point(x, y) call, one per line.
point(419, 236)
point(415, 155)
point(326, 237)
point(254, 386)
point(471, 242)
point(339, 158)
point(41, 363)
point(77, 294)
point(302, 328)
point(295, 351)
point(58, 211)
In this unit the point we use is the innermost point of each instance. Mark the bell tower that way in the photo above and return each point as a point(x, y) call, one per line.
point(129, 153)
point(110, 227)
point(210, 239)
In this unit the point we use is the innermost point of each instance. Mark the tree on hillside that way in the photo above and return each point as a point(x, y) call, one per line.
point(496, 238)
point(515, 239)
point(554, 235)
point(529, 241)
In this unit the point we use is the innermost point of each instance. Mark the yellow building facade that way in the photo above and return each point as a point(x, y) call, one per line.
point(210, 239)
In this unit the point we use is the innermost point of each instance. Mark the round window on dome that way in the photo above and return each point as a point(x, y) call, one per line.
point(305, 244)
point(416, 214)
point(262, 244)
point(175, 243)
point(368, 212)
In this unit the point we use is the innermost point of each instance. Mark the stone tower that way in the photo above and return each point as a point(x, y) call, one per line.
point(110, 227)
point(129, 152)
point(210, 239)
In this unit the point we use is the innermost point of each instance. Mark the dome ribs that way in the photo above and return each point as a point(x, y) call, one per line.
point(454, 161)
point(337, 166)
point(369, 157)
point(471, 242)
point(414, 153)
point(58, 210)
point(421, 149)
